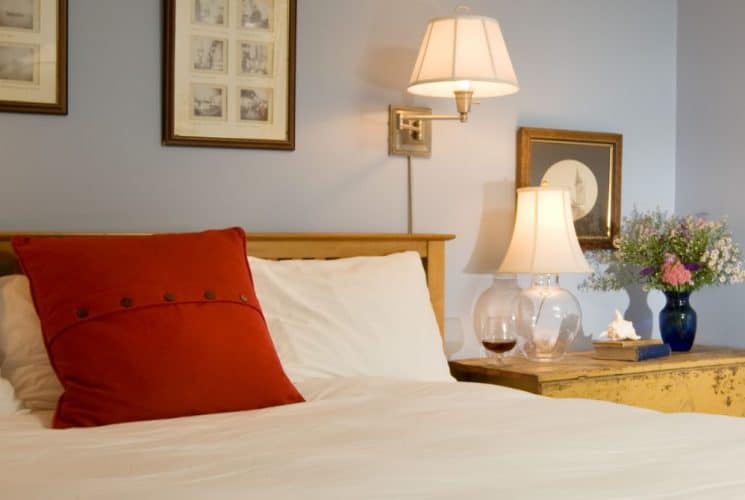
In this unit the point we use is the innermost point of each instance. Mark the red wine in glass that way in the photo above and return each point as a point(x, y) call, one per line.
point(499, 346)
point(497, 337)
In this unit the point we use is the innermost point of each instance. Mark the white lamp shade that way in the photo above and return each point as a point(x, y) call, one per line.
point(463, 53)
point(544, 240)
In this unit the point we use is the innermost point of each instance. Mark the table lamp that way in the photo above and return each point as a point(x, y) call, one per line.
point(544, 244)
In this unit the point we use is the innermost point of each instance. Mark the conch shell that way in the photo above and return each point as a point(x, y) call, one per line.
point(620, 329)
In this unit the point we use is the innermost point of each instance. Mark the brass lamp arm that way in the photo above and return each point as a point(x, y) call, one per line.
point(412, 122)
point(405, 117)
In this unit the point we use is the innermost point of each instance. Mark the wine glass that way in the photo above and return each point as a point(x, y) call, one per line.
point(497, 335)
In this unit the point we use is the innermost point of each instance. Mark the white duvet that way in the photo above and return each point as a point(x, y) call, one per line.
point(376, 438)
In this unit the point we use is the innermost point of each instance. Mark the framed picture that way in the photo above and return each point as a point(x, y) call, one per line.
point(33, 56)
point(586, 163)
point(229, 73)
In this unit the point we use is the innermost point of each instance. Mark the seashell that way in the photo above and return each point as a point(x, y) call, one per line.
point(620, 329)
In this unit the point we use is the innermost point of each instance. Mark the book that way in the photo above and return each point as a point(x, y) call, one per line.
point(632, 353)
point(626, 343)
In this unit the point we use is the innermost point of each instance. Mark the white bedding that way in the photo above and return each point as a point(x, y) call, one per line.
point(376, 438)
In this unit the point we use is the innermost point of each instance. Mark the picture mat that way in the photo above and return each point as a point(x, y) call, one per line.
point(268, 63)
point(45, 90)
point(201, 43)
point(198, 90)
point(263, 94)
point(22, 9)
point(225, 21)
point(7, 51)
point(232, 128)
point(266, 7)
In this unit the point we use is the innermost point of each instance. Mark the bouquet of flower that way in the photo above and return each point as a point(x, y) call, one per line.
point(668, 253)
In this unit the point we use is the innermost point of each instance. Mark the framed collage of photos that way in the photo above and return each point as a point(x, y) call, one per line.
point(33, 56)
point(229, 73)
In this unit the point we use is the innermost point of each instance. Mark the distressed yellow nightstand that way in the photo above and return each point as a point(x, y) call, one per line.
point(706, 380)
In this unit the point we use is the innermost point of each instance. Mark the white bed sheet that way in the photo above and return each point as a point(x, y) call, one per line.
point(376, 438)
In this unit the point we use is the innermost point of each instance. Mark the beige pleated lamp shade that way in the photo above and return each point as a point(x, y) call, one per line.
point(544, 240)
point(463, 52)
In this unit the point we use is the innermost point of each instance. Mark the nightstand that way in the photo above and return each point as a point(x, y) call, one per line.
point(706, 380)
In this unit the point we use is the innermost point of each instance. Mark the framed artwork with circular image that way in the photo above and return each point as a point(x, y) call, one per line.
point(588, 164)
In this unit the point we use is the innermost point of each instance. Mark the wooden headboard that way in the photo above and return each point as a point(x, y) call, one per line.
point(278, 246)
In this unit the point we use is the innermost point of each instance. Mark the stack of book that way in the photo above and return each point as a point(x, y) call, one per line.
point(630, 350)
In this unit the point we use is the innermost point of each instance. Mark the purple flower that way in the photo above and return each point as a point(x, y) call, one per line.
point(646, 271)
point(693, 266)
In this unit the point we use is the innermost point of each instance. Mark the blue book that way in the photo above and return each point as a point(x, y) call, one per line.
point(632, 353)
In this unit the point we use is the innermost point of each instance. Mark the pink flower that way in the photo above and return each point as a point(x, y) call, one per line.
point(674, 273)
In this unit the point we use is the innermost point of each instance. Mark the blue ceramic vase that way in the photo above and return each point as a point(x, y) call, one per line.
point(678, 321)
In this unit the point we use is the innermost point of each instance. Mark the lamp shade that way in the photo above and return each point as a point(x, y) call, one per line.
point(544, 240)
point(463, 52)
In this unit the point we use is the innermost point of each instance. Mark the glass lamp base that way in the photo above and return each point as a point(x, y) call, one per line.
point(548, 319)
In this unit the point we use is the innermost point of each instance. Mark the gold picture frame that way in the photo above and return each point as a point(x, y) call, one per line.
point(33, 56)
point(247, 49)
point(589, 165)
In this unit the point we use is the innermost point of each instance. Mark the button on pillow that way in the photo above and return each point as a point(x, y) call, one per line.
point(146, 327)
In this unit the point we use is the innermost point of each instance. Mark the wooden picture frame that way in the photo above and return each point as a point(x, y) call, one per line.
point(589, 165)
point(229, 73)
point(33, 56)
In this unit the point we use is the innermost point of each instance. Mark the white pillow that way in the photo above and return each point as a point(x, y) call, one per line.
point(23, 357)
point(9, 405)
point(361, 316)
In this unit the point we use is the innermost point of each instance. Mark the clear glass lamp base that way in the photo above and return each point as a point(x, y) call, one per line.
point(547, 317)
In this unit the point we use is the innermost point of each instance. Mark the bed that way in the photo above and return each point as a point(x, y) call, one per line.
point(380, 437)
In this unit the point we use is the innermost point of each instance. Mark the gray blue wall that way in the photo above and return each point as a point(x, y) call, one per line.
point(711, 128)
point(604, 65)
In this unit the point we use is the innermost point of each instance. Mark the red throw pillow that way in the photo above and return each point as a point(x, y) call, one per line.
point(146, 327)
